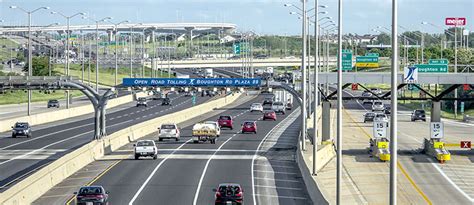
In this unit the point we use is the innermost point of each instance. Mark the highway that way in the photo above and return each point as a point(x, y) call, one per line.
point(422, 179)
point(185, 173)
point(22, 156)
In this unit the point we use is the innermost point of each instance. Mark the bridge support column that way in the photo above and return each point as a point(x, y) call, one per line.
point(110, 34)
point(436, 111)
point(326, 121)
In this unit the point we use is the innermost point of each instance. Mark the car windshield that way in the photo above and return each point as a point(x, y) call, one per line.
point(145, 143)
point(224, 117)
point(248, 123)
point(381, 115)
point(230, 190)
point(256, 104)
point(141, 99)
point(21, 125)
point(268, 99)
point(168, 127)
point(418, 112)
point(53, 101)
point(370, 114)
point(90, 190)
point(278, 103)
point(378, 103)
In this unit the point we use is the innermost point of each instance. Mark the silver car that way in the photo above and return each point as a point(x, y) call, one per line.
point(380, 117)
point(169, 131)
point(378, 106)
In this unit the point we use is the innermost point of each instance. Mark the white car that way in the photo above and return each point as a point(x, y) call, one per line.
point(381, 117)
point(216, 125)
point(278, 107)
point(169, 131)
point(378, 106)
point(145, 148)
point(256, 107)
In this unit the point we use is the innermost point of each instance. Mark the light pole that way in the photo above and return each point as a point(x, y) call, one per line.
point(131, 46)
point(394, 96)
point(97, 51)
point(30, 59)
point(339, 105)
point(116, 52)
point(68, 19)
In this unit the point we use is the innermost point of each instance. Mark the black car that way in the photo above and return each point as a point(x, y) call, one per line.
point(165, 101)
point(229, 194)
point(387, 110)
point(92, 195)
point(268, 101)
point(233, 58)
point(21, 129)
point(418, 115)
point(53, 103)
point(369, 117)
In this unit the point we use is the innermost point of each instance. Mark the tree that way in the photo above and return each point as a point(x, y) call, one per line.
point(40, 66)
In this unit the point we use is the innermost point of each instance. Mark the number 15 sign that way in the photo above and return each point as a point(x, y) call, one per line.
point(437, 130)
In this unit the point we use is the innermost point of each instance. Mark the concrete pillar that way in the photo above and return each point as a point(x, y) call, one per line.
point(110, 34)
point(436, 111)
point(326, 121)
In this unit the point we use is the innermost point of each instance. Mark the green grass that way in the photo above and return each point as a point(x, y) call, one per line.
point(5, 46)
point(20, 96)
point(106, 75)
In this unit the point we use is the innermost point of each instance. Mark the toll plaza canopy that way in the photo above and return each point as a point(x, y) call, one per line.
point(192, 82)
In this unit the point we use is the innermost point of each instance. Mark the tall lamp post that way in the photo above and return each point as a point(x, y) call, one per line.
point(30, 68)
point(68, 19)
point(97, 51)
point(131, 46)
point(116, 52)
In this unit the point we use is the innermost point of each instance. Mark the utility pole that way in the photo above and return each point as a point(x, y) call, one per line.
point(303, 82)
point(339, 106)
point(394, 103)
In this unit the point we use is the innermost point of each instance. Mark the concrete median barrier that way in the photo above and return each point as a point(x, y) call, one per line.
point(35, 185)
point(46, 117)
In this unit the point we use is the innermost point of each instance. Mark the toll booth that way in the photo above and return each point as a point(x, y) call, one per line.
point(379, 144)
point(434, 146)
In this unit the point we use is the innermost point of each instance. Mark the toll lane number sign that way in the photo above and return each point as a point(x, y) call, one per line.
point(437, 130)
point(380, 129)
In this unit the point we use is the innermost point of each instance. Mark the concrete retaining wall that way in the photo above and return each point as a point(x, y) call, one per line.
point(35, 185)
point(46, 117)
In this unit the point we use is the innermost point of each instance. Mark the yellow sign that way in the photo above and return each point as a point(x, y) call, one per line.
point(367, 65)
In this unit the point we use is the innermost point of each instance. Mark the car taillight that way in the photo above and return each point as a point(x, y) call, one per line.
point(239, 194)
point(177, 131)
point(218, 194)
point(100, 196)
point(80, 197)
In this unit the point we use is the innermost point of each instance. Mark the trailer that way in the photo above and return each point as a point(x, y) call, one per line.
point(203, 132)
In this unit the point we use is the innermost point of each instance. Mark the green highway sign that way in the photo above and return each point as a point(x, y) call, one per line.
point(438, 61)
point(237, 49)
point(346, 59)
point(430, 68)
point(372, 54)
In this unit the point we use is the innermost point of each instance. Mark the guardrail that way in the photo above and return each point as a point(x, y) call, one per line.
point(35, 185)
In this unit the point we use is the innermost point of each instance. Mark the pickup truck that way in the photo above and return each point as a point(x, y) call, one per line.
point(203, 132)
point(145, 148)
point(278, 107)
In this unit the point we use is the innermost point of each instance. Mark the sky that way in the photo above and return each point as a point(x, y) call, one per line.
point(260, 16)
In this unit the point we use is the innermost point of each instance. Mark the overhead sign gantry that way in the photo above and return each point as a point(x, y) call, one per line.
point(192, 82)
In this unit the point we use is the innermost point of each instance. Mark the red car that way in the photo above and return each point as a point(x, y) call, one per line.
point(270, 115)
point(229, 194)
point(249, 126)
point(226, 121)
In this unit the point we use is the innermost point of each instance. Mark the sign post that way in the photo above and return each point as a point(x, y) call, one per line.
point(437, 130)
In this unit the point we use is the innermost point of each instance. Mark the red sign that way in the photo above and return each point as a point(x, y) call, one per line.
point(355, 86)
point(466, 87)
point(455, 21)
point(466, 144)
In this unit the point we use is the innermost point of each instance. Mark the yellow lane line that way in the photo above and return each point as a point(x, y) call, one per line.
point(405, 173)
point(96, 178)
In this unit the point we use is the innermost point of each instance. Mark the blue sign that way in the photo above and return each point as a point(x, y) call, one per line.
point(192, 82)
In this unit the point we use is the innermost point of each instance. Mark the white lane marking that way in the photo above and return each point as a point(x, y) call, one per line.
point(271, 171)
point(273, 179)
point(196, 195)
point(153, 173)
point(450, 181)
point(55, 143)
point(278, 187)
point(283, 197)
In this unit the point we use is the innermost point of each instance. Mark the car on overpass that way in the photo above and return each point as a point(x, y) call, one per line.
point(21, 129)
point(92, 195)
point(229, 193)
point(145, 148)
point(376, 91)
point(249, 126)
point(169, 131)
point(365, 95)
point(226, 121)
point(270, 115)
point(418, 115)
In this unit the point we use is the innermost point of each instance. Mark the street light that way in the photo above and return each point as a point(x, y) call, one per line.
point(131, 42)
point(97, 49)
point(116, 53)
point(30, 68)
point(68, 18)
